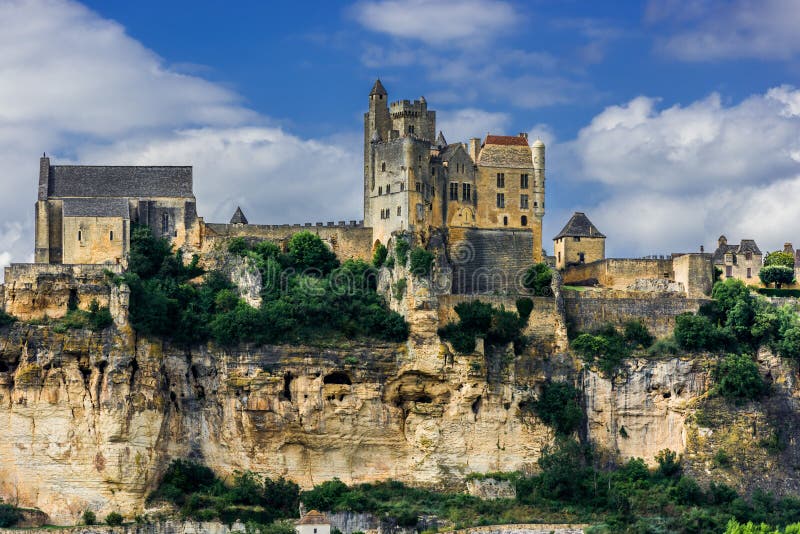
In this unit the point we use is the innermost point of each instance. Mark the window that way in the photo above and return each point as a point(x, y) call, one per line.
point(505, 221)
point(164, 223)
point(581, 258)
point(501, 200)
point(728, 271)
point(402, 186)
point(749, 273)
point(388, 188)
point(111, 235)
point(80, 235)
point(380, 190)
point(454, 191)
point(523, 181)
point(748, 256)
point(523, 201)
point(433, 191)
point(398, 211)
point(501, 180)
point(535, 204)
point(433, 171)
point(383, 166)
point(576, 238)
point(418, 186)
point(466, 192)
point(559, 257)
point(523, 220)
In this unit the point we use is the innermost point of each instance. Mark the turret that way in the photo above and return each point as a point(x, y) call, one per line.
point(376, 127)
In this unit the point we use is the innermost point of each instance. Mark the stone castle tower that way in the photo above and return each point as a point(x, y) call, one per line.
point(414, 179)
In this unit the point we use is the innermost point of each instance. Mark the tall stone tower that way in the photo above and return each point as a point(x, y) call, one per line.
point(538, 198)
point(377, 125)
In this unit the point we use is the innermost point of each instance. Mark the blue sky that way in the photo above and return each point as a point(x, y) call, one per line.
point(669, 122)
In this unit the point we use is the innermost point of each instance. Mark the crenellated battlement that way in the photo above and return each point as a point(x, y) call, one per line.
point(407, 108)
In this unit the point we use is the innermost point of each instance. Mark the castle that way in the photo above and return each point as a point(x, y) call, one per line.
point(478, 205)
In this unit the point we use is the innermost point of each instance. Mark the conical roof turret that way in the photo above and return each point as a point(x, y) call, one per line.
point(378, 89)
point(238, 217)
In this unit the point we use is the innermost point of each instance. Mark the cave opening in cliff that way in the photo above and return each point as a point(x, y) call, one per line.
point(287, 386)
point(337, 377)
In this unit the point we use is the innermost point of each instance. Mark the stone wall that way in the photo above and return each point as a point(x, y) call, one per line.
point(525, 528)
point(163, 527)
point(589, 310)
point(489, 261)
point(347, 240)
point(33, 290)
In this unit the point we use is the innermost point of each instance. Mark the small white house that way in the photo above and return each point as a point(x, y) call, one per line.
point(313, 522)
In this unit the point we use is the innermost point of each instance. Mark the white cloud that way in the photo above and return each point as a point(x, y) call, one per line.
point(719, 29)
point(462, 124)
point(76, 85)
point(464, 23)
point(679, 177)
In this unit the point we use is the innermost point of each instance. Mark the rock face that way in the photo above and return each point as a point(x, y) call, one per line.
point(91, 420)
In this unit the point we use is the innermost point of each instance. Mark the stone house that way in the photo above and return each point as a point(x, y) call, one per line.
point(313, 522)
point(742, 261)
point(579, 242)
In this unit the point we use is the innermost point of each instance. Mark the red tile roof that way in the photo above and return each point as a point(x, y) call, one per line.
point(505, 140)
point(313, 518)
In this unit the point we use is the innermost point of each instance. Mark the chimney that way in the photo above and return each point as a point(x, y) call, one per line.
point(474, 148)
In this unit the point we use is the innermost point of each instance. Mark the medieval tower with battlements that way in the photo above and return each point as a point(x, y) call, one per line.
point(415, 181)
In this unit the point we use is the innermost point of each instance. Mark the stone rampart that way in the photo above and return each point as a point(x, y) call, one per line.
point(347, 240)
point(525, 528)
point(162, 527)
point(489, 261)
point(35, 290)
point(589, 310)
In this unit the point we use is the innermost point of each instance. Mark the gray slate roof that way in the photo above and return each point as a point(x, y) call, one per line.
point(238, 217)
point(96, 207)
point(747, 245)
point(377, 89)
point(129, 181)
point(579, 225)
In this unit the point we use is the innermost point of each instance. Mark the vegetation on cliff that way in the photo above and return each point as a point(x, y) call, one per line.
point(537, 279)
point(608, 347)
point(306, 295)
point(480, 319)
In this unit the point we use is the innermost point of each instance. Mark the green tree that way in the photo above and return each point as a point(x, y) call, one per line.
point(637, 334)
point(421, 262)
point(6, 319)
point(697, 332)
point(114, 519)
point(776, 274)
point(9, 515)
point(89, 518)
point(307, 252)
point(737, 377)
point(401, 248)
point(379, 256)
point(538, 278)
point(558, 407)
point(779, 257)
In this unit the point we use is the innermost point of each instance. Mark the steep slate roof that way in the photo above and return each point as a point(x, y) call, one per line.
point(96, 207)
point(506, 151)
point(129, 181)
point(440, 140)
point(238, 217)
point(747, 245)
point(579, 225)
point(378, 89)
point(313, 518)
point(450, 150)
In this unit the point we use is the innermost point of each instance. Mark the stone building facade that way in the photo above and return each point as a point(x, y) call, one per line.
point(84, 213)
point(415, 181)
point(579, 242)
point(742, 261)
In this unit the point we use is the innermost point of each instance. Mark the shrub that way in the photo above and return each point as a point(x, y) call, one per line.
point(776, 274)
point(524, 308)
point(114, 519)
point(6, 319)
point(722, 458)
point(238, 245)
point(637, 334)
point(687, 491)
point(9, 515)
point(463, 342)
point(538, 278)
point(696, 332)
point(308, 253)
point(737, 377)
point(721, 493)
point(669, 465)
point(607, 349)
point(772, 292)
point(421, 262)
point(475, 316)
point(563, 472)
point(558, 407)
point(379, 256)
point(399, 288)
point(505, 327)
point(664, 347)
point(401, 250)
point(89, 518)
point(789, 346)
point(99, 318)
